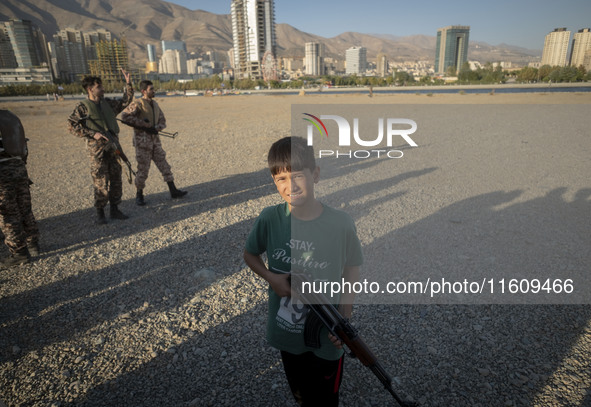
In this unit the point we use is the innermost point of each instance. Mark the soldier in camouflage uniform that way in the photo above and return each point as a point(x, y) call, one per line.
point(17, 222)
point(147, 119)
point(104, 165)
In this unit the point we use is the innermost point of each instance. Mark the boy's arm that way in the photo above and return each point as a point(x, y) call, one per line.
point(278, 282)
point(351, 275)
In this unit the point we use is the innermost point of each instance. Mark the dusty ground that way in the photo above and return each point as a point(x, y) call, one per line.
point(159, 310)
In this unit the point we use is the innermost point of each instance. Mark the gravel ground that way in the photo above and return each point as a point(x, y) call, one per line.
point(160, 310)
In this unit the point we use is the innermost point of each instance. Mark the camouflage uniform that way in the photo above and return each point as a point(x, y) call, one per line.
point(104, 166)
point(16, 215)
point(147, 114)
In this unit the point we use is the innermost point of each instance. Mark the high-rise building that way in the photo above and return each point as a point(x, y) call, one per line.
point(451, 48)
point(173, 61)
point(356, 60)
point(7, 57)
point(111, 56)
point(69, 54)
point(27, 43)
point(151, 52)
point(152, 64)
point(587, 60)
point(314, 58)
point(382, 65)
point(253, 34)
point(174, 45)
point(94, 37)
point(556, 47)
point(581, 43)
point(24, 55)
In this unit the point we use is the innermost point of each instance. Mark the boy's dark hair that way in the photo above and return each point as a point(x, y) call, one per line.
point(89, 81)
point(291, 154)
point(144, 84)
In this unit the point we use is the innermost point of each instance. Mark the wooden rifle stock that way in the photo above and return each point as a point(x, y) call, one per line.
point(340, 327)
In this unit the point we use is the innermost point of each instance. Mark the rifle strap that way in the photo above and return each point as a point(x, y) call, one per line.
point(312, 328)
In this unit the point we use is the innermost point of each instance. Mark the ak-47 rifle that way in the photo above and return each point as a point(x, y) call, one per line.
point(326, 313)
point(115, 141)
point(151, 130)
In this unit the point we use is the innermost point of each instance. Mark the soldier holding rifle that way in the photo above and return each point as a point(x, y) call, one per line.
point(147, 119)
point(93, 119)
point(17, 222)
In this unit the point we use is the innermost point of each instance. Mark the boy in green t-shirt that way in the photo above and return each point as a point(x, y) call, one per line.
point(302, 234)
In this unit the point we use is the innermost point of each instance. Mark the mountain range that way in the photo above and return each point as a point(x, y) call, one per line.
point(151, 21)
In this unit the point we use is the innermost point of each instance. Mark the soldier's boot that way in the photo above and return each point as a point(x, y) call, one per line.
point(139, 198)
point(100, 216)
point(33, 249)
point(20, 257)
point(115, 213)
point(174, 192)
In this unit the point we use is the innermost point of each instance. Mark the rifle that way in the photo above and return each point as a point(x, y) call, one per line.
point(114, 140)
point(326, 313)
point(151, 130)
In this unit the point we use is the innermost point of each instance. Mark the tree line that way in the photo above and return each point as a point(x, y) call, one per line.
point(547, 73)
point(488, 74)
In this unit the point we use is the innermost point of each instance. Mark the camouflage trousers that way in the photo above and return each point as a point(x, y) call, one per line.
point(148, 148)
point(16, 215)
point(106, 174)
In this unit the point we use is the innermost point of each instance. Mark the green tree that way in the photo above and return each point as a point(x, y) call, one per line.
point(403, 78)
point(568, 74)
point(554, 75)
point(527, 74)
point(544, 72)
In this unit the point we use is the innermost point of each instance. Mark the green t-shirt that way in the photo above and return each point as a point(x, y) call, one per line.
point(322, 247)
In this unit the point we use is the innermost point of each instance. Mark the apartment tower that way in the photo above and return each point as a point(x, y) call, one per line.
point(382, 66)
point(70, 54)
point(356, 60)
point(91, 39)
point(581, 44)
point(556, 47)
point(23, 45)
point(451, 49)
point(314, 59)
point(253, 33)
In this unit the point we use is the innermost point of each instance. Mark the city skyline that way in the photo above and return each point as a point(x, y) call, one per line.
point(522, 23)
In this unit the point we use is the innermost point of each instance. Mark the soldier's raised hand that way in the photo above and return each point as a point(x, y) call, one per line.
point(125, 75)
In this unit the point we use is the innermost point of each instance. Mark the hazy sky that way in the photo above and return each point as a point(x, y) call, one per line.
point(524, 23)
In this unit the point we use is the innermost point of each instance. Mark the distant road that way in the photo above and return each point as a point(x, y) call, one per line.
point(508, 87)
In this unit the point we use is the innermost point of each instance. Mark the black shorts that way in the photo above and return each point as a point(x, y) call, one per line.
point(313, 381)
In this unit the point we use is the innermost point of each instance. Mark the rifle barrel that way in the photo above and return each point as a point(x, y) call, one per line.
point(167, 134)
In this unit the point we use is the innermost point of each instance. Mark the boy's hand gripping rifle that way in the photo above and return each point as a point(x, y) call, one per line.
point(326, 313)
point(112, 139)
